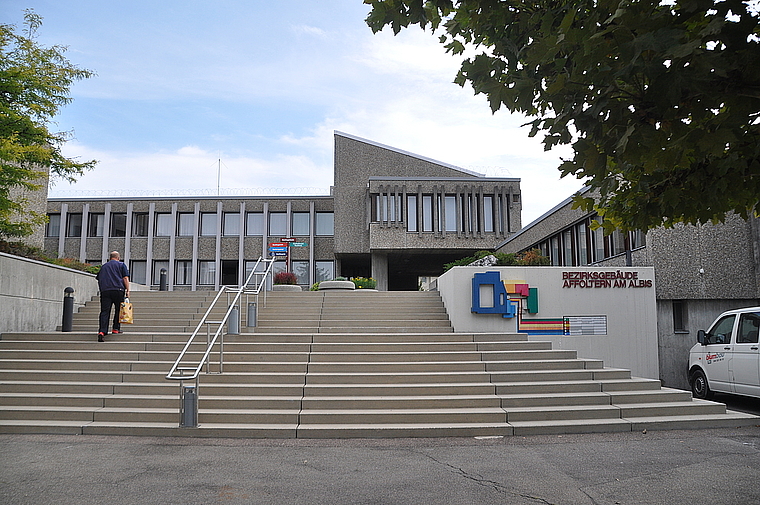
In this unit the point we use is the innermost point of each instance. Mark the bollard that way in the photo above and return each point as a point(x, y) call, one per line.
point(250, 321)
point(233, 323)
point(189, 415)
point(68, 309)
point(162, 280)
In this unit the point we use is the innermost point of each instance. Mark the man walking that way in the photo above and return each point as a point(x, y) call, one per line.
point(113, 281)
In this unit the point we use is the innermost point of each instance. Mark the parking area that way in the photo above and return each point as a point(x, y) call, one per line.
point(718, 466)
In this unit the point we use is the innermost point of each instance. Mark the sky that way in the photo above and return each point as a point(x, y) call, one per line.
point(243, 97)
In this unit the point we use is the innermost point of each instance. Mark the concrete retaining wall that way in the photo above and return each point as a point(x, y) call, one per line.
point(571, 304)
point(31, 293)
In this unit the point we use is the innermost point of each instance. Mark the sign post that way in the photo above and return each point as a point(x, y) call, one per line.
point(280, 249)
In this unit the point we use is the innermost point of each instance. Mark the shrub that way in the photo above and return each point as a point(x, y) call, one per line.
point(528, 258)
point(534, 258)
point(35, 253)
point(314, 287)
point(364, 282)
point(285, 278)
point(340, 279)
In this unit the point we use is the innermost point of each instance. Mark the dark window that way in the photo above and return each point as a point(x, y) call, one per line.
point(411, 213)
point(208, 224)
point(300, 225)
point(164, 226)
point(749, 326)
point(140, 225)
point(185, 225)
point(721, 331)
point(278, 224)
point(53, 227)
point(118, 225)
point(679, 315)
point(184, 272)
point(95, 228)
point(325, 224)
point(231, 224)
point(74, 225)
point(254, 224)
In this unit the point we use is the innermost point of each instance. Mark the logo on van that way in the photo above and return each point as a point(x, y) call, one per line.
point(718, 356)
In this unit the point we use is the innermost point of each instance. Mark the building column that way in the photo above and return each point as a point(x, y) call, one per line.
point(85, 230)
point(63, 230)
point(380, 270)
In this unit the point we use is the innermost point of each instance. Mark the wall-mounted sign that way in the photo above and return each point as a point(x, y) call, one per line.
point(515, 299)
point(278, 244)
point(299, 244)
point(287, 239)
point(604, 279)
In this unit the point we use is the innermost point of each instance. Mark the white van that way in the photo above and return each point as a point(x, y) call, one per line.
point(726, 359)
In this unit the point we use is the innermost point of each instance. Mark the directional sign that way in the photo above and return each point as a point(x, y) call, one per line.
point(279, 249)
point(287, 239)
point(278, 244)
point(277, 253)
point(299, 244)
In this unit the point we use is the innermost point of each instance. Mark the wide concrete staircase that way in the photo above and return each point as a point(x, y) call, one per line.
point(326, 364)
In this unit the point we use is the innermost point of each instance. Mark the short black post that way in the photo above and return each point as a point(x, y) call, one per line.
point(68, 309)
point(163, 284)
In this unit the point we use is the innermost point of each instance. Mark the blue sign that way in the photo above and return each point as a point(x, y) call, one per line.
point(277, 253)
point(278, 249)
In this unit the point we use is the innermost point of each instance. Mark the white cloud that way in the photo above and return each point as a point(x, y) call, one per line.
point(325, 75)
point(191, 168)
point(308, 30)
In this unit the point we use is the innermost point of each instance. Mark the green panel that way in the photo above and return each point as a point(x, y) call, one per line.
point(533, 301)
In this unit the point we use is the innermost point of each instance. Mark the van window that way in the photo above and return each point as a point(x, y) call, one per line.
point(720, 333)
point(749, 325)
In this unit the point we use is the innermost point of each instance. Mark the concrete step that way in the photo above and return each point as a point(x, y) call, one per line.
point(381, 416)
point(324, 365)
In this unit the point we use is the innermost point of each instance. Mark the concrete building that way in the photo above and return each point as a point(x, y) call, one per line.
point(700, 271)
point(392, 215)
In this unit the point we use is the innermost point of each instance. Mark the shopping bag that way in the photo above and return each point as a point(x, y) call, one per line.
point(126, 315)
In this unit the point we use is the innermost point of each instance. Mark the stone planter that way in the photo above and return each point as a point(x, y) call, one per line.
point(286, 287)
point(336, 285)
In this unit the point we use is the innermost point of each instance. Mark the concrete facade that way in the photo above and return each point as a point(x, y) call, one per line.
point(700, 271)
point(407, 215)
point(31, 293)
point(612, 318)
point(393, 215)
point(201, 242)
point(34, 202)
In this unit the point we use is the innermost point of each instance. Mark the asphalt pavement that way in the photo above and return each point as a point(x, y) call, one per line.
point(717, 466)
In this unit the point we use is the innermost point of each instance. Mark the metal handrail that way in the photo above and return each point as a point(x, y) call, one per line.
point(185, 373)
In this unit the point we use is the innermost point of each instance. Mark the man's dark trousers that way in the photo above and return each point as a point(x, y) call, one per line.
point(107, 299)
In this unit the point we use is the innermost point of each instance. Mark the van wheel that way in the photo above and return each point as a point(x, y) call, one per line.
point(699, 386)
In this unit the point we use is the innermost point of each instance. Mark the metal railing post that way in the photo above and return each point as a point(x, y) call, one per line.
point(233, 323)
point(189, 394)
point(251, 316)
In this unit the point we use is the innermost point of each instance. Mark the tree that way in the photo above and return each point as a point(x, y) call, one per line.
point(34, 84)
point(659, 99)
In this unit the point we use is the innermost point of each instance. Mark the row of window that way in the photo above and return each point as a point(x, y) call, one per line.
point(579, 245)
point(463, 213)
point(206, 271)
point(185, 225)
